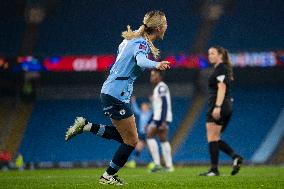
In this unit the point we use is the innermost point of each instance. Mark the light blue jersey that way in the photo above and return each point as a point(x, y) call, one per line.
point(144, 117)
point(130, 62)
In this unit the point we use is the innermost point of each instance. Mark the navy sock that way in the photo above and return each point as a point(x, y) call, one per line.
point(214, 154)
point(107, 132)
point(137, 153)
point(120, 158)
point(224, 147)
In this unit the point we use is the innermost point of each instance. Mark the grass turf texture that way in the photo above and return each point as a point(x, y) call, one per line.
point(184, 177)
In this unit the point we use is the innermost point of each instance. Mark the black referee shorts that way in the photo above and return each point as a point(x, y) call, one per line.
point(226, 113)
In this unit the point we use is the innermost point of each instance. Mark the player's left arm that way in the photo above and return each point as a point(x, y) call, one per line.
point(135, 106)
point(221, 91)
point(141, 51)
point(220, 94)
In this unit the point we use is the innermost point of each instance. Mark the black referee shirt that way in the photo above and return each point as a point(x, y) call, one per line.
point(220, 74)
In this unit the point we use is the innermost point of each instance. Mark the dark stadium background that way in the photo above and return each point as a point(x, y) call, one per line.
point(55, 55)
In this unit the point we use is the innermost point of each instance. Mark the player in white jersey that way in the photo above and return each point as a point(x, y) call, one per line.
point(162, 116)
point(116, 92)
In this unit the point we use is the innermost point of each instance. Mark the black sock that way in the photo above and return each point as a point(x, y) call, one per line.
point(214, 154)
point(224, 147)
point(107, 132)
point(120, 158)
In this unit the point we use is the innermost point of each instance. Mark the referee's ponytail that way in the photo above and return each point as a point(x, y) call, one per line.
point(226, 59)
point(151, 21)
point(229, 63)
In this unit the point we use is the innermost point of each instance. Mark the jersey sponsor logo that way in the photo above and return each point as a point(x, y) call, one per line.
point(107, 114)
point(122, 112)
point(143, 47)
point(221, 78)
point(107, 108)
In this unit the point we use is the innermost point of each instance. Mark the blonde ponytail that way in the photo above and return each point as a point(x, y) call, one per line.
point(152, 20)
point(130, 34)
point(154, 50)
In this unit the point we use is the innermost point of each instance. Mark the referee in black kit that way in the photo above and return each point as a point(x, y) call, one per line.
point(220, 109)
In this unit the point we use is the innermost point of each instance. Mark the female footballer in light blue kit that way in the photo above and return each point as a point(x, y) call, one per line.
point(131, 61)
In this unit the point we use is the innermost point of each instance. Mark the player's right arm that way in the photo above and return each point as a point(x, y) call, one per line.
point(135, 106)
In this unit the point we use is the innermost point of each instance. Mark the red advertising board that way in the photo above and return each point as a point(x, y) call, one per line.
point(79, 63)
point(104, 62)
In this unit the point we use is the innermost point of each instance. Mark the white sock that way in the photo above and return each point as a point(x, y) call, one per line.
point(167, 154)
point(154, 150)
point(87, 127)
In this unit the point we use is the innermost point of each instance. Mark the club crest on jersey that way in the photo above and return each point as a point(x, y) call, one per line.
point(143, 47)
point(122, 112)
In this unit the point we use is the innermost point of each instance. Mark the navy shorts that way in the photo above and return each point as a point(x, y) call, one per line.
point(115, 108)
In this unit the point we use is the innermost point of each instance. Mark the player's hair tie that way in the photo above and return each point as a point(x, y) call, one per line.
point(145, 25)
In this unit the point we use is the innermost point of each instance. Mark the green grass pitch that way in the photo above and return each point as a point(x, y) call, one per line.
point(184, 177)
